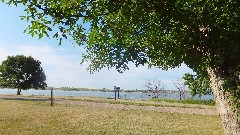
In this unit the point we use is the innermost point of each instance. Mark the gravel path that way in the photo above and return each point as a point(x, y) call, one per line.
point(182, 110)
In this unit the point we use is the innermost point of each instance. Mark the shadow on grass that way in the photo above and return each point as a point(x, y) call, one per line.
point(25, 98)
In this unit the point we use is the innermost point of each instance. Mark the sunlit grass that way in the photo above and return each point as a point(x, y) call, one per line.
point(186, 101)
point(36, 117)
point(156, 103)
point(200, 104)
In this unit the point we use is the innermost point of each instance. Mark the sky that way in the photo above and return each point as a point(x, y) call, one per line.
point(61, 64)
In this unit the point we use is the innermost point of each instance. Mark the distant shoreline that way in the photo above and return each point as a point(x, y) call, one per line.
point(89, 89)
point(105, 90)
point(110, 90)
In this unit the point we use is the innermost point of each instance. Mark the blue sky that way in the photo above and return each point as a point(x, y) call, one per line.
point(62, 63)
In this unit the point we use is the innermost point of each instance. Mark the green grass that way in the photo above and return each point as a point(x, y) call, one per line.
point(187, 101)
point(35, 117)
point(155, 102)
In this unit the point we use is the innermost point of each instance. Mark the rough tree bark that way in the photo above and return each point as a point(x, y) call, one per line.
point(227, 109)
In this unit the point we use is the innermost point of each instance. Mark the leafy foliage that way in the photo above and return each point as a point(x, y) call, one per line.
point(149, 32)
point(22, 72)
point(197, 84)
point(203, 34)
point(163, 34)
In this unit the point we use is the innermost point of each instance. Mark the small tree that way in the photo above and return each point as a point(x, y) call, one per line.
point(179, 84)
point(197, 84)
point(22, 72)
point(155, 87)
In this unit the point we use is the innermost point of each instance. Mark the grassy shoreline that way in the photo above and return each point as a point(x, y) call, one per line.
point(36, 117)
point(152, 102)
point(186, 101)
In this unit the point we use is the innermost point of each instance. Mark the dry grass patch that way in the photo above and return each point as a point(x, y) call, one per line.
point(137, 102)
point(35, 117)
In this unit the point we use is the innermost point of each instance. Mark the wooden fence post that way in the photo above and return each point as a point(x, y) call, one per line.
point(115, 94)
point(118, 93)
point(51, 96)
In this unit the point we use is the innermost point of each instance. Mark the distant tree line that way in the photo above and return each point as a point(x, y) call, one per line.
point(197, 85)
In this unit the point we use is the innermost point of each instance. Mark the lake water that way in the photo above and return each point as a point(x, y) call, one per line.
point(124, 95)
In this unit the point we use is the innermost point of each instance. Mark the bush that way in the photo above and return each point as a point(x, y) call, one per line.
point(186, 101)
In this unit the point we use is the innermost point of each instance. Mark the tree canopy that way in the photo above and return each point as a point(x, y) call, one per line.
point(203, 34)
point(149, 32)
point(22, 72)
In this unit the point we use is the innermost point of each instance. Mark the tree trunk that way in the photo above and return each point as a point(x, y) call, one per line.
point(19, 91)
point(180, 95)
point(227, 109)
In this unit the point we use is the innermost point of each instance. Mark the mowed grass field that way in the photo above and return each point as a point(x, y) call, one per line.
point(19, 117)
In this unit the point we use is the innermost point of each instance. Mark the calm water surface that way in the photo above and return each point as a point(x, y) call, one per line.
point(124, 95)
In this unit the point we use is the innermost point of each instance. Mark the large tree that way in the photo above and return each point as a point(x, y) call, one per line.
point(22, 72)
point(203, 34)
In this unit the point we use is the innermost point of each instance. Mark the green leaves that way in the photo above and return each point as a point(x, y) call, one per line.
point(22, 72)
point(202, 34)
point(198, 84)
point(162, 34)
